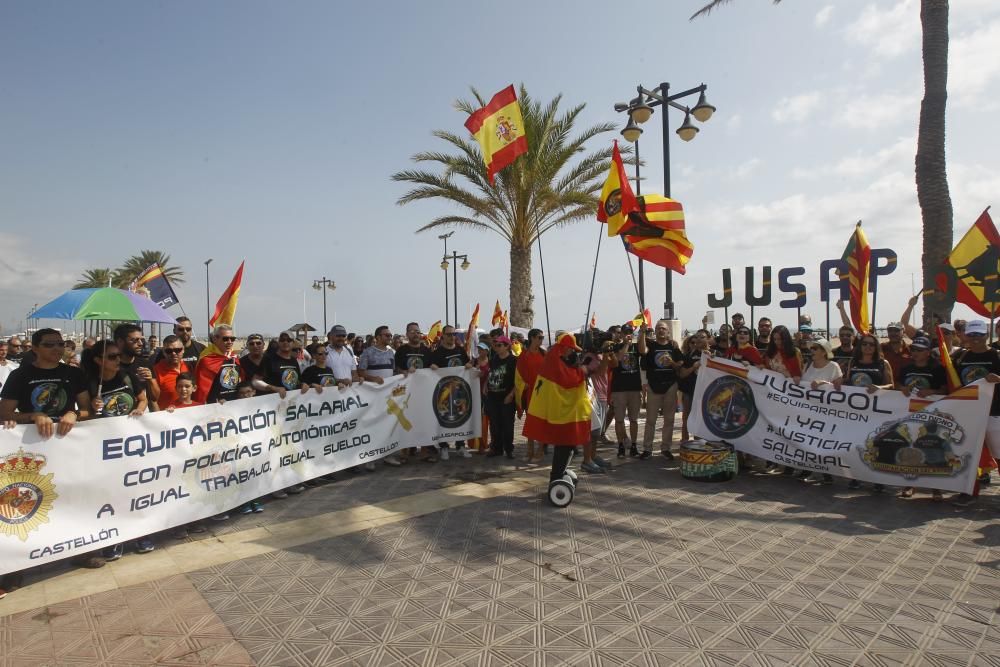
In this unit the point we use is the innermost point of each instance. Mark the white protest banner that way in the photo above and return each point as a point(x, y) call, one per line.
point(884, 437)
point(120, 478)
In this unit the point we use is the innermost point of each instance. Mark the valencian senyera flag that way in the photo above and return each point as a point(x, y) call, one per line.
point(497, 314)
point(971, 271)
point(858, 255)
point(434, 332)
point(225, 309)
point(499, 129)
point(154, 281)
point(949, 368)
point(617, 200)
point(559, 411)
point(657, 234)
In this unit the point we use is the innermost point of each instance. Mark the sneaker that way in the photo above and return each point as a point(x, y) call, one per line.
point(298, 488)
point(369, 467)
point(444, 454)
point(256, 507)
point(621, 451)
point(92, 562)
point(603, 463)
point(221, 517)
point(144, 545)
point(633, 450)
point(645, 455)
point(466, 454)
point(804, 475)
point(245, 509)
point(112, 553)
point(827, 479)
point(854, 484)
point(310, 483)
point(392, 460)
point(962, 500)
point(281, 494)
point(179, 533)
point(591, 467)
point(667, 454)
point(196, 527)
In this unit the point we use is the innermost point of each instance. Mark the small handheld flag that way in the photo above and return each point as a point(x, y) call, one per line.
point(497, 315)
point(470, 333)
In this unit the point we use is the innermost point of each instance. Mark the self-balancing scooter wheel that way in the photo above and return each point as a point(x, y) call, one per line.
point(561, 492)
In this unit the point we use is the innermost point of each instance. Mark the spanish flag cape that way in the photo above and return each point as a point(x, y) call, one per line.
point(210, 362)
point(528, 365)
point(559, 412)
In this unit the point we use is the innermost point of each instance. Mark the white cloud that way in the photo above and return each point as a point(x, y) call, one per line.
point(873, 112)
point(888, 32)
point(746, 169)
point(974, 64)
point(27, 277)
point(734, 123)
point(823, 16)
point(795, 109)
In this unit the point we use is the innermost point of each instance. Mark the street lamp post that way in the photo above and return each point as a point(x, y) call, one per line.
point(640, 109)
point(444, 267)
point(454, 257)
point(324, 284)
point(208, 300)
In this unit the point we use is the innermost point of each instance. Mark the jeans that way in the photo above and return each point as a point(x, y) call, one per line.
point(501, 424)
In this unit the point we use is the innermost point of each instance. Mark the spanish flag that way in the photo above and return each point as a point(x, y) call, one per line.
point(526, 374)
point(559, 411)
point(497, 315)
point(617, 200)
point(658, 235)
point(974, 263)
point(470, 333)
point(499, 129)
point(858, 255)
point(949, 368)
point(434, 333)
point(225, 309)
point(644, 316)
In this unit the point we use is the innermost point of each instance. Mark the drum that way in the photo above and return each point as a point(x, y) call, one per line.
point(708, 461)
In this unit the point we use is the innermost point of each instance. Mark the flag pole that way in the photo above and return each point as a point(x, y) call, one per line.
point(631, 269)
point(874, 279)
point(593, 280)
point(828, 337)
point(545, 294)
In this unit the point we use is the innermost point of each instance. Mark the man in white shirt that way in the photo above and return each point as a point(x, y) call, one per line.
point(340, 358)
point(6, 365)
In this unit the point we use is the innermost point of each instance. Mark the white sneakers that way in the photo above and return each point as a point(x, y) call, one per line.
point(443, 454)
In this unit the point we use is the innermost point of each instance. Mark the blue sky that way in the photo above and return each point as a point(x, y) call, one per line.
point(268, 131)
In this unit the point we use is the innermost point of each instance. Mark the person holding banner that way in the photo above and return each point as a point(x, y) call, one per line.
point(743, 351)
point(696, 345)
point(781, 356)
point(867, 369)
point(923, 376)
point(978, 361)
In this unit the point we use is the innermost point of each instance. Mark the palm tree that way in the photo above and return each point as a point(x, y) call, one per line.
point(136, 264)
point(933, 193)
point(541, 190)
point(98, 278)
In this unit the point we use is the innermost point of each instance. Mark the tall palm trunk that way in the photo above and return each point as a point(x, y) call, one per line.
point(522, 312)
point(932, 178)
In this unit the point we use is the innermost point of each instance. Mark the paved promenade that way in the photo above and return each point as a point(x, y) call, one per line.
point(464, 563)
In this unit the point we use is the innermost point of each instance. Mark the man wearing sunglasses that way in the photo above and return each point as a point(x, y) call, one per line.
point(7, 366)
point(168, 368)
point(192, 348)
point(132, 348)
point(15, 351)
point(450, 355)
point(218, 373)
point(340, 357)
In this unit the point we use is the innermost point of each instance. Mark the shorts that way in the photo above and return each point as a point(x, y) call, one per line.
point(626, 402)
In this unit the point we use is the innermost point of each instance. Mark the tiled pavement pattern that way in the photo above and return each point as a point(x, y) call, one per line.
point(644, 568)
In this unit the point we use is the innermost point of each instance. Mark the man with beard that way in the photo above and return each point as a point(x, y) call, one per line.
point(7, 366)
point(340, 357)
point(411, 357)
point(763, 334)
point(131, 346)
point(168, 369)
point(895, 350)
point(192, 348)
point(450, 355)
point(661, 359)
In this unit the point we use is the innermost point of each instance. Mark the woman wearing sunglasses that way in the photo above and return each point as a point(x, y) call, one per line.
point(744, 351)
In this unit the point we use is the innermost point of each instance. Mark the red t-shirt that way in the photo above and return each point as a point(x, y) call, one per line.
point(167, 377)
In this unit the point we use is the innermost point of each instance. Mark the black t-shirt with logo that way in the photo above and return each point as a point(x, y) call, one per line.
point(658, 364)
point(226, 384)
point(252, 369)
point(120, 394)
point(843, 357)
point(931, 376)
point(133, 366)
point(413, 358)
point(971, 366)
point(281, 372)
point(863, 374)
point(625, 376)
point(442, 357)
point(686, 384)
point(500, 380)
point(52, 391)
point(761, 344)
point(322, 376)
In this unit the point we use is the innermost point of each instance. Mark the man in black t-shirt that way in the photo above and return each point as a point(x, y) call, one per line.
point(449, 355)
point(131, 346)
point(280, 370)
point(412, 356)
point(660, 359)
point(923, 375)
point(763, 334)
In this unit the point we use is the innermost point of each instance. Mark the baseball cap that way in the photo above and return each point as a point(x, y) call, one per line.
point(483, 346)
point(568, 340)
point(338, 330)
point(253, 337)
point(894, 325)
point(805, 328)
point(921, 343)
point(946, 326)
point(501, 339)
point(976, 327)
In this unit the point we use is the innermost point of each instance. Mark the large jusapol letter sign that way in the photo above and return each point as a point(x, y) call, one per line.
point(116, 479)
point(829, 281)
point(884, 437)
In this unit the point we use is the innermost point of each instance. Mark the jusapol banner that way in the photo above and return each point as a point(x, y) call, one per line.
point(884, 437)
point(116, 479)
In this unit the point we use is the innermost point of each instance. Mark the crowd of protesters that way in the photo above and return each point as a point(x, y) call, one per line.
point(49, 383)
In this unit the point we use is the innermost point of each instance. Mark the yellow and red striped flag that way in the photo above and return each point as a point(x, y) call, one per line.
point(225, 309)
point(497, 315)
point(949, 368)
point(858, 255)
point(499, 129)
point(505, 322)
point(617, 200)
point(644, 316)
point(470, 333)
point(660, 236)
point(434, 332)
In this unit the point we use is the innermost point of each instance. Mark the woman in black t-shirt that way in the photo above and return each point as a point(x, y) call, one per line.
point(687, 375)
point(114, 392)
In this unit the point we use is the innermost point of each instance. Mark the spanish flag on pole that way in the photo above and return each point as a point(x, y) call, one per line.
point(975, 262)
point(497, 315)
point(225, 309)
point(858, 255)
point(617, 199)
point(658, 235)
point(559, 411)
point(470, 333)
point(435, 332)
point(499, 129)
